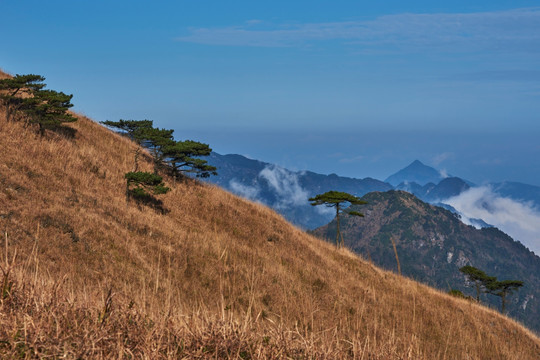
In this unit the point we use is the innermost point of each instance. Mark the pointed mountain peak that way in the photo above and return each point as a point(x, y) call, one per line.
point(416, 172)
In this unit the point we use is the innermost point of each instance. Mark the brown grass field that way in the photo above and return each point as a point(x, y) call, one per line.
point(86, 275)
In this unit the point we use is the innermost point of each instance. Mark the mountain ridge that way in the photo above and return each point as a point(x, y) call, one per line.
point(415, 172)
point(433, 244)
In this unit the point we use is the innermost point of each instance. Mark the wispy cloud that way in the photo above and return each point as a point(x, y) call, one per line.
point(442, 157)
point(519, 220)
point(249, 192)
point(286, 185)
point(511, 30)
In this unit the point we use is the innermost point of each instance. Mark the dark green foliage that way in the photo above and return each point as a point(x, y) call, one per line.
point(49, 109)
point(142, 186)
point(503, 289)
point(129, 127)
point(336, 199)
point(24, 97)
point(491, 285)
point(479, 278)
point(183, 157)
point(15, 92)
point(146, 181)
point(156, 140)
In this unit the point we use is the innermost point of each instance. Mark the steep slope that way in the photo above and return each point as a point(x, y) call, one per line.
point(214, 277)
point(287, 192)
point(433, 244)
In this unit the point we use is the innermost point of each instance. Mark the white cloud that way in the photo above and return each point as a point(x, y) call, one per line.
point(249, 192)
point(443, 173)
point(439, 158)
point(286, 185)
point(501, 31)
point(519, 220)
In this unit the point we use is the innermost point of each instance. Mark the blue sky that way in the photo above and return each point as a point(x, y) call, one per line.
point(350, 87)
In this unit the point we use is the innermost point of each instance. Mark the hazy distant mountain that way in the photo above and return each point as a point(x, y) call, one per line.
point(286, 191)
point(518, 191)
point(416, 172)
point(433, 244)
point(446, 188)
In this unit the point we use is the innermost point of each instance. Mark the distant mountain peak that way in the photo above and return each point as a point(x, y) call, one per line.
point(416, 172)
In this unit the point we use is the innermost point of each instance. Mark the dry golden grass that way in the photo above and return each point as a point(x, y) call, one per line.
point(215, 277)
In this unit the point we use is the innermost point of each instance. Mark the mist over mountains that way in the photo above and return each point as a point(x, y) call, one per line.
point(284, 190)
point(510, 206)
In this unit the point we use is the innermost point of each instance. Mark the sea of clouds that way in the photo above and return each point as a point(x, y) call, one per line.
point(520, 220)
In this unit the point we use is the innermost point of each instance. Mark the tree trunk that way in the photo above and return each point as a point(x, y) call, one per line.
point(503, 298)
point(137, 153)
point(395, 252)
point(338, 232)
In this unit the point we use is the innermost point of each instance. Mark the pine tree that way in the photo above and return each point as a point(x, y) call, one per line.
point(157, 141)
point(142, 185)
point(503, 289)
point(48, 109)
point(183, 156)
point(15, 92)
point(477, 277)
point(337, 199)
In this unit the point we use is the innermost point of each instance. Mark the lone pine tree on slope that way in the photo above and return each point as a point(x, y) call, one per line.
point(337, 199)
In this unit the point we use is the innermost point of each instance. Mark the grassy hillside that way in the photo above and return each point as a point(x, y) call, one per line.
point(88, 276)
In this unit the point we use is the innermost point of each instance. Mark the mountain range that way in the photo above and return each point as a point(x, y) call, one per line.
point(284, 190)
point(288, 191)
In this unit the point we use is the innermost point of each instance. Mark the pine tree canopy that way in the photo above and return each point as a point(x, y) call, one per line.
point(475, 274)
point(504, 287)
point(49, 109)
point(334, 198)
point(21, 83)
point(129, 127)
point(18, 92)
point(183, 157)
